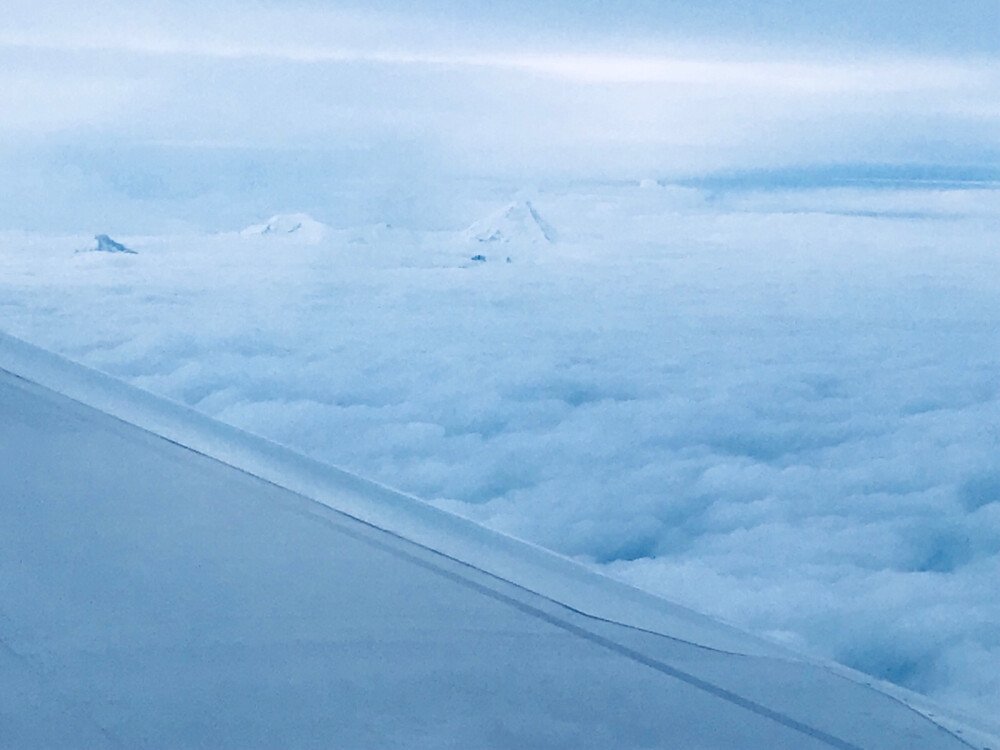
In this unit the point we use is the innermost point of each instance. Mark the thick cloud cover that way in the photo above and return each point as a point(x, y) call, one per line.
point(783, 415)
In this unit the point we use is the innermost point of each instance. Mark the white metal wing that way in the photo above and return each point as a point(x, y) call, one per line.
point(170, 582)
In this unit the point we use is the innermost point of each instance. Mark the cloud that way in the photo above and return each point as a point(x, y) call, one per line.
point(782, 417)
point(302, 77)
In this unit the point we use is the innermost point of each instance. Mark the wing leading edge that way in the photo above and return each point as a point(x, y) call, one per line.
point(156, 595)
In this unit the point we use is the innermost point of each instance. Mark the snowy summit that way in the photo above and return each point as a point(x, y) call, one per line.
point(297, 226)
point(107, 245)
point(518, 223)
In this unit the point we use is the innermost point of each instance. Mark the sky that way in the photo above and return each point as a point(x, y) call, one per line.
point(214, 107)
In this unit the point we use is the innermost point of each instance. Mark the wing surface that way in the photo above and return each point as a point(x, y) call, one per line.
point(168, 582)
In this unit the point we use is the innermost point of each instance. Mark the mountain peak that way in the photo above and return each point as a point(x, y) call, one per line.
point(107, 245)
point(517, 223)
point(299, 226)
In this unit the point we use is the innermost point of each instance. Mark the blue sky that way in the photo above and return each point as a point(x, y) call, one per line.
point(96, 98)
point(968, 27)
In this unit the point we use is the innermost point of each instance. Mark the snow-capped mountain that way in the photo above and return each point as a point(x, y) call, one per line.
point(518, 223)
point(107, 245)
point(298, 226)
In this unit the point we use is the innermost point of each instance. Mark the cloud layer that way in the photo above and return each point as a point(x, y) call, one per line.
point(778, 411)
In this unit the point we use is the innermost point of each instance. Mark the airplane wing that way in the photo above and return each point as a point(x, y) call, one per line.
point(170, 582)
